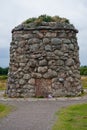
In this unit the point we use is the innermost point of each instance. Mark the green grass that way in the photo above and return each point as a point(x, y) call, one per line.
point(4, 110)
point(72, 118)
point(3, 77)
point(84, 81)
point(3, 80)
point(2, 84)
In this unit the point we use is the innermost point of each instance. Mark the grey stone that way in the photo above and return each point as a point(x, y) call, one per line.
point(32, 81)
point(48, 48)
point(58, 52)
point(71, 47)
point(52, 63)
point(33, 41)
point(46, 40)
point(36, 75)
point(50, 74)
point(34, 47)
point(43, 62)
point(49, 34)
point(32, 63)
point(42, 69)
point(56, 41)
point(22, 81)
point(26, 76)
point(60, 62)
point(66, 41)
point(65, 48)
point(22, 64)
point(61, 80)
point(70, 62)
point(27, 36)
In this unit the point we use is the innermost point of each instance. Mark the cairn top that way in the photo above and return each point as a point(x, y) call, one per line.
point(45, 22)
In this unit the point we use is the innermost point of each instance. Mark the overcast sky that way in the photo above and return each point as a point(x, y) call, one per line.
point(14, 12)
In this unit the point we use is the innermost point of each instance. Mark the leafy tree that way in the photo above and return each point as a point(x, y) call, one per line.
point(83, 70)
point(3, 71)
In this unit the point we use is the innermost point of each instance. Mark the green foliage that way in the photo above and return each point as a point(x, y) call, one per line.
point(72, 118)
point(83, 70)
point(4, 110)
point(45, 18)
point(4, 71)
point(30, 20)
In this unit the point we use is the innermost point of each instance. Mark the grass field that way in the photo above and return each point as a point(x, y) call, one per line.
point(84, 81)
point(4, 110)
point(3, 80)
point(72, 118)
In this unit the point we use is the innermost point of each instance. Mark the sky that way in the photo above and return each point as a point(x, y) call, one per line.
point(14, 12)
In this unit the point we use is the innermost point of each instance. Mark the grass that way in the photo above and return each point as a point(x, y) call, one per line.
point(72, 118)
point(4, 110)
point(84, 81)
point(3, 84)
point(3, 80)
point(46, 18)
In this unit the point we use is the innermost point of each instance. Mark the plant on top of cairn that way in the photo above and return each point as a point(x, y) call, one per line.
point(45, 18)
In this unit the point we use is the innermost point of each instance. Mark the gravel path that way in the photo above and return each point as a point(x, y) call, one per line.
point(34, 114)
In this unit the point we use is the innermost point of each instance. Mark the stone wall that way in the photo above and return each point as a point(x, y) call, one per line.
point(44, 60)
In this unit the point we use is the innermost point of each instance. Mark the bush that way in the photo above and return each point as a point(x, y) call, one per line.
point(4, 71)
point(83, 70)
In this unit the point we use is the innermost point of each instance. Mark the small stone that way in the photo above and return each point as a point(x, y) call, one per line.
point(61, 80)
point(34, 47)
point(38, 34)
point(21, 81)
point(27, 36)
point(36, 75)
point(58, 52)
point(32, 81)
point(71, 47)
point(43, 62)
point(26, 76)
point(49, 34)
point(33, 41)
point(60, 62)
point(70, 62)
point(56, 41)
point(46, 40)
point(66, 41)
point(50, 74)
point(21, 64)
point(31, 63)
point(52, 62)
point(48, 48)
point(65, 48)
point(70, 79)
point(42, 69)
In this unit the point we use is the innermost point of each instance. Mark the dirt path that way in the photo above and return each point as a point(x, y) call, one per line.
point(34, 114)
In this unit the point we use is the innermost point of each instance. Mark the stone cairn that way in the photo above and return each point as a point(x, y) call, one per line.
point(44, 60)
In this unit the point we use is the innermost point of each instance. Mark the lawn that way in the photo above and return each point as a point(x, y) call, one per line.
point(3, 80)
point(4, 110)
point(72, 118)
point(84, 81)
